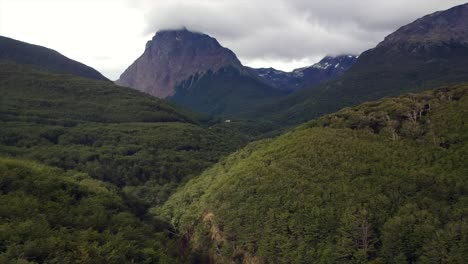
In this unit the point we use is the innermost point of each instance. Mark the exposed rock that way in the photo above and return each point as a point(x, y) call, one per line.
point(326, 70)
point(449, 26)
point(173, 56)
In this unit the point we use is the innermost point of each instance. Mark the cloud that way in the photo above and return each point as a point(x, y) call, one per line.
point(289, 30)
point(110, 34)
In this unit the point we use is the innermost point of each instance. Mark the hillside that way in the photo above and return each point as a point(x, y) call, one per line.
point(12, 50)
point(414, 58)
point(227, 92)
point(38, 95)
point(384, 182)
point(142, 144)
point(49, 216)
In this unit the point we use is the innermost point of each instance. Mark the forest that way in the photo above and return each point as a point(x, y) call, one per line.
point(83, 160)
point(383, 182)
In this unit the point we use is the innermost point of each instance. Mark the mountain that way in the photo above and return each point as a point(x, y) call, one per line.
point(39, 96)
point(277, 78)
point(194, 70)
point(43, 58)
point(227, 92)
point(327, 69)
point(173, 56)
point(429, 52)
point(135, 141)
point(383, 182)
point(443, 27)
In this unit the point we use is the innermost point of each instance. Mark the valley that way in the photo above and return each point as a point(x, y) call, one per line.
point(193, 157)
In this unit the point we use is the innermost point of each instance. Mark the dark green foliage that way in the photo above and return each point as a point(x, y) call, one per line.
point(128, 154)
point(41, 97)
point(49, 216)
point(142, 147)
point(112, 133)
point(227, 92)
point(384, 182)
point(380, 72)
point(44, 59)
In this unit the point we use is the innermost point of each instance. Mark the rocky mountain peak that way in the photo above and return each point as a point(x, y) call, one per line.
point(443, 27)
point(168, 42)
point(326, 69)
point(173, 56)
point(335, 63)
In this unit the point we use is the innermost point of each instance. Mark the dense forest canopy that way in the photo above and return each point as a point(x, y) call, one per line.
point(385, 182)
point(51, 216)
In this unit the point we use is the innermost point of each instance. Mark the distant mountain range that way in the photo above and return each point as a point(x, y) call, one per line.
point(194, 70)
point(326, 70)
point(427, 53)
point(44, 59)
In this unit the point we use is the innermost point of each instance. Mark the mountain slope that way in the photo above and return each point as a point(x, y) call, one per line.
point(385, 182)
point(49, 216)
point(414, 58)
point(227, 92)
point(194, 70)
point(33, 94)
point(43, 58)
point(325, 70)
point(142, 144)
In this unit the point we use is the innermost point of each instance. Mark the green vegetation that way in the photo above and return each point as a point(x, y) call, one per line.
point(137, 142)
point(113, 152)
point(378, 73)
point(41, 97)
point(43, 58)
point(160, 155)
point(384, 182)
point(51, 216)
point(227, 92)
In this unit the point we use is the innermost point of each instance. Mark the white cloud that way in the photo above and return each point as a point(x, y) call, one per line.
point(287, 31)
point(107, 35)
point(110, 34)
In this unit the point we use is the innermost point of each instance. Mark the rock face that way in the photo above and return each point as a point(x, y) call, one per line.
point(173, 56)
point(326, 70)
point(449, 26)
point(437, 42)
point(44, 59)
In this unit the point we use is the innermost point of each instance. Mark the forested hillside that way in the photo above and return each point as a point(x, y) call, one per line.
point(115, 152)
point(137, 142)
point(384, 182)
point(12, 50)
point(51, 216)
point(227, 92)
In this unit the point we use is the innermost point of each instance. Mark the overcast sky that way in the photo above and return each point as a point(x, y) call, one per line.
point(286, 34)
